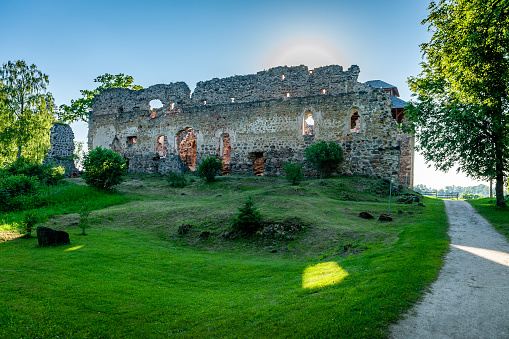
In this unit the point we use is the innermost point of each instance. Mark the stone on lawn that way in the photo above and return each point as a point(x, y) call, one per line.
point(384, 217)
point(50, 237)
point(365, 215)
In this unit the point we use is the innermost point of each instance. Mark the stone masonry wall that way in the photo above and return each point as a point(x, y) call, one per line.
point(264, 126)
point(62, 147)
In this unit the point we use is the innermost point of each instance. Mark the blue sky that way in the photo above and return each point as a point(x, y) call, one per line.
point(167, 41)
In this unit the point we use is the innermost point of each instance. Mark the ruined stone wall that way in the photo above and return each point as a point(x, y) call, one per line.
point(278, 82)
point(406, 162)
point(259, 130)
point(62, 147)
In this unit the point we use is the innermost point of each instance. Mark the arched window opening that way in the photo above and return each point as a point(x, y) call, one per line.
point(308, 127)
point(323, 91)
point(283, 77)
point(258, 163)
point(225, 153)
point(287, 94)
point(162, 146)
point(186, 144)
point(156, 107)
point(121, 110)
point(355, 122)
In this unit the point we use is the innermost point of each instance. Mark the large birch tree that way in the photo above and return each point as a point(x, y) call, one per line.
point(26, 112)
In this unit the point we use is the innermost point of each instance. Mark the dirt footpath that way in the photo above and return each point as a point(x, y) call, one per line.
point(470, 298)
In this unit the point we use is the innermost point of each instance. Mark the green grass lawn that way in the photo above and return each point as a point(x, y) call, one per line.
point(498, 217)
point(134, 276)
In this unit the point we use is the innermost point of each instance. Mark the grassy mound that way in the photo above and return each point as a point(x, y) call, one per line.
point(134, 275)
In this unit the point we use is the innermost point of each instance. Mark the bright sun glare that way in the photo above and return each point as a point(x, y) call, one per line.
point(323, 274)
point(501, 258)
point(310, 52)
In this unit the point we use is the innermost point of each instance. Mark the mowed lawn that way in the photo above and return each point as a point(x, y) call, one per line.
point(134, 276)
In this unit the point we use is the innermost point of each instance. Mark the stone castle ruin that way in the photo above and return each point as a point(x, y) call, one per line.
point(62, 148)
point(256, 123)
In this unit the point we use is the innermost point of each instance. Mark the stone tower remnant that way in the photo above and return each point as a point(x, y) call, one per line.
point(62, 147)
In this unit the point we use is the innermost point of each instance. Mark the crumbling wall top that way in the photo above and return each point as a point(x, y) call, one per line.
point(274, 83)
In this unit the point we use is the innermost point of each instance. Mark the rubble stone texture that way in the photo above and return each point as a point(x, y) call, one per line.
point(62, 147)
point(255, 124)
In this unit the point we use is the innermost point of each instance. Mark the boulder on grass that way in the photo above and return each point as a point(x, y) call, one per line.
point(365, 215)
point(384, 217)
point(49, 237)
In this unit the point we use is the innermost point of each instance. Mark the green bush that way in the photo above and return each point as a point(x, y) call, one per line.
point(29, 221)
point(176, 179)
point(325, 158)
point(249, 218)
point(209, 168)
point(104, 169)
point(15, 185)
point(49, 174)
point(294, 173)
point(84, 215)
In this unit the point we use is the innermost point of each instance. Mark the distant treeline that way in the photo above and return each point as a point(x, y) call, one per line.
point(469, 192)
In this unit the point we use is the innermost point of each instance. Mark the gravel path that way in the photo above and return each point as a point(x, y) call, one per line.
point(470, 298)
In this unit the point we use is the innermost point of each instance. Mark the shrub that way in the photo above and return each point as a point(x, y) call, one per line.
point(29, 221)
point(325, 158)
point(104, 169)
point(49, 173)
point(176, 179)
point(294, 173)
point(249, 218)
point(84, 215)
point(209, 168)
point(15, 185)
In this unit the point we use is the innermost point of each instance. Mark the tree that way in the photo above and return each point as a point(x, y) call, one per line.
point(461, 115)
point(104, 168)
point(325, 157)
point(26, 112)
point(79, 109)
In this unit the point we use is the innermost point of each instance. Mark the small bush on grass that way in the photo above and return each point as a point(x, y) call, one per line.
point(84, 215)
point(29, 221)
point(249, 218)
point(324, 157)
point(104, 169)
point(294, 173)
point(176, 180)
point(209, 168)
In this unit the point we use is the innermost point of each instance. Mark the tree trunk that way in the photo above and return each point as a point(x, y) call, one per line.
point(499, 179)
point(19, 151)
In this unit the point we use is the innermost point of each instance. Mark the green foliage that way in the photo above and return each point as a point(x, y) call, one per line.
point(249, 218)
point(80, 108)
point(49, 173)
point(104, 169)
point(29, 221)
point(470, 196)
point(324, 157)
point(26, 112)
point(12, 186)
point(209, 168)
point(84, 215)
point(294, 173)
point(176, 180)
point(461, 116)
